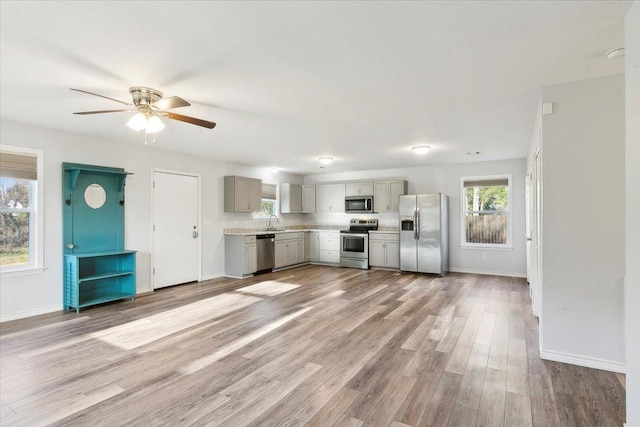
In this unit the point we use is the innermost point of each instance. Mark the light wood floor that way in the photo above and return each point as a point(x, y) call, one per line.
point(314, 345)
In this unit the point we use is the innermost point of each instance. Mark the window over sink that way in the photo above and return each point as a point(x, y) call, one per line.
point(268, 204)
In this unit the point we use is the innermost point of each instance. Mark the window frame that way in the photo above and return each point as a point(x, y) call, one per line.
point(508, 212)
point(36, 216)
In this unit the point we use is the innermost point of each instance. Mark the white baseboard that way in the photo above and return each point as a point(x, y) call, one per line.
point(29, 313)
point(212, 276)
point(488, 272)
point(587, 362)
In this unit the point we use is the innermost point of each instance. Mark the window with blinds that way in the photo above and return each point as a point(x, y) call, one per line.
point(486, 216)
point(19, 217)
point(268, 206)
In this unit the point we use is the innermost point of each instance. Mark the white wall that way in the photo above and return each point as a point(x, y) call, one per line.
point(632, 231)
point(33, 294)
point(446, 179)
point(583, 223)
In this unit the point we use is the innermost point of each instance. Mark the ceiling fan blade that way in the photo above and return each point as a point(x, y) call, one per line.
point(192, 120)
point(101, 96)
point(171, 102)
point(82, 113)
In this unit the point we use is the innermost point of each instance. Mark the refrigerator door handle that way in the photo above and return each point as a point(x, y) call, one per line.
point(415, 230)
point(417, 224)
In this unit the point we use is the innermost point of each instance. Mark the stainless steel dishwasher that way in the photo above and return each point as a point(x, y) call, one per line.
point(266, 252)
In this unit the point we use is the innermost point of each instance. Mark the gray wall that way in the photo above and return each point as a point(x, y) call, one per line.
point(632, 231)
point(39, 293)
point(583, 223)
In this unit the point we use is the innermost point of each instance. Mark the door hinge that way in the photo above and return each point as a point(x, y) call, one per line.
point(154, 184)
point(154, 227)
point(154, 270)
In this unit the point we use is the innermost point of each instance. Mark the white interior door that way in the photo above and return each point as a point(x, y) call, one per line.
point(537, 237)
point(175, 252)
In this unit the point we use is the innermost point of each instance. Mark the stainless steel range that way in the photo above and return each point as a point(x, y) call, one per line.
point(354, 243)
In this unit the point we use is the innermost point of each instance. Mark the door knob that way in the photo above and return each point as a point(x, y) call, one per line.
point(195, 234)
point(70, 245)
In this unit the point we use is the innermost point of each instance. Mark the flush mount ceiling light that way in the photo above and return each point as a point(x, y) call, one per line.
point(325, 160)
point(421, 149)
point(274, 170)
point(616, 53)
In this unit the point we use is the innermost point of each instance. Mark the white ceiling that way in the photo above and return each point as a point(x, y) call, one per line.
point(287, 82)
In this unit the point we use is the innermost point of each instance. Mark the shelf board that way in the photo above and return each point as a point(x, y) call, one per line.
point(105, 275)
point(101, 254)
point(106, 298)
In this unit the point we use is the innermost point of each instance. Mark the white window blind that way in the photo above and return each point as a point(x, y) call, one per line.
point(502, 182)
point(18, 166)
point(269, 191)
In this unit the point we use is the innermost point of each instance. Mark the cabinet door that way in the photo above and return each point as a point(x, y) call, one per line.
point(323, 198)
point(291, 256)
point(359, 189)
point(337, 197)
point(281, 253)
point(290, 198)
point(381, 197)
point(300, 247)
point(242, 194)
point(392, 252)
point(308, 199)
point(376, 253)
point(314, 246)
point(396, 189)
point(255, 194)
point(250, 260)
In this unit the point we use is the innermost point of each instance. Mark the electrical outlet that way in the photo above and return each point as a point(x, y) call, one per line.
point(485, 255)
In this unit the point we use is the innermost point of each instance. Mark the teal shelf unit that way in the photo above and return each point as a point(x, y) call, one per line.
point(97, 277)
point(97, 268)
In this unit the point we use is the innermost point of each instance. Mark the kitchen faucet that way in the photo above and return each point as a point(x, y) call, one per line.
point(269, 228)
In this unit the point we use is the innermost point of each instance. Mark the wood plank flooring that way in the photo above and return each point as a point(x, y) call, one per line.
point(314, 345)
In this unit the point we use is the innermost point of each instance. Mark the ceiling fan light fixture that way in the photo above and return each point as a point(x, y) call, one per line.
point(421, 149)
point(154, 124)
point(138, 122)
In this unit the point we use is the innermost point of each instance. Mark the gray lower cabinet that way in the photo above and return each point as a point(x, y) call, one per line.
point(314, 246)
point(240, 257)
point(329, 247)
point(384, 250)
point(289, 249)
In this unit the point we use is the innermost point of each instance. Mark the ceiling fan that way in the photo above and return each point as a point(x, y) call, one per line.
point(150, 106)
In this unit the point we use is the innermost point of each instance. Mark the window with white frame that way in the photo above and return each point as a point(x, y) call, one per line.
point(20, 208)
point(486, 211)
point(269, 204)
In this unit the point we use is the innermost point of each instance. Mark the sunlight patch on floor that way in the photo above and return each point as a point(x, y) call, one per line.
point(268, 288)
point(139, 332)
point(226, 350)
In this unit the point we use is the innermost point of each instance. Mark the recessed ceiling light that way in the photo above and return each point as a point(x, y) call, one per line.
point(616, 53)
point(274, 170)
point(325, 160)
point(421, 149)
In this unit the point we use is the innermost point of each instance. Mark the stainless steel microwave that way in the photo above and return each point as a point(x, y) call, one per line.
point(358, 204)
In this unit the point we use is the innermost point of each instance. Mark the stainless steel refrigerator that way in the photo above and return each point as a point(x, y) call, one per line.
point(424, 233)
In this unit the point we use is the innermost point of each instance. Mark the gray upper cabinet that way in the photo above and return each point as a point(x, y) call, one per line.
point(290, 198)
point(387, 194)
point(330, 198)
point(308, 199)
point(359, 189)
point(242, 194)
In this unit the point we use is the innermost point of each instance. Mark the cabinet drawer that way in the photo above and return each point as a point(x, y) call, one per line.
point(289, 236)
point(249, 239)
point(330, 244)
point(384, 236)
point(330, 256)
